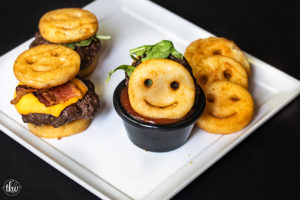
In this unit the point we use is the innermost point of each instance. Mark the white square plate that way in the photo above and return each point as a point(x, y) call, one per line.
point(102, 159)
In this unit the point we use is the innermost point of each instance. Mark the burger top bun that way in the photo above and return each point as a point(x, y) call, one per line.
point(68, 25)
point(46, 66)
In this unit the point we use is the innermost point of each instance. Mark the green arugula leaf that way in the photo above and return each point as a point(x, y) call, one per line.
point(133, 58)
point(161, 49)
point(127, 68)
point(102, 37)
point(69, 45)
point(177, 54)
point(140, 51)
point(86, 42)
point(82, 43)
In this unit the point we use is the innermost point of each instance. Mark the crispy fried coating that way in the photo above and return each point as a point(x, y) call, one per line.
point(229, 108)
point(46, 66)
point(68, 25)
point(203, 48)
point(218, 67)
point(161, 88)
point(48, 131)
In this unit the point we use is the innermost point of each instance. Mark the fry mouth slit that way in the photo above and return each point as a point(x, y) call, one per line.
point(162, 107)
point(222, 117)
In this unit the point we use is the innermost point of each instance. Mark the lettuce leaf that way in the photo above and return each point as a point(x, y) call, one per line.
point(102, 37)
point(161, 49)
point(86, 42)
point(127, 68)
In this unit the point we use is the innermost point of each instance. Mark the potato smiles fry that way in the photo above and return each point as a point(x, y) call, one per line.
point(222, 70)
point(229, 108)
point(47, 131)
point(204, 48)
point(161, 88)
point(68, 25)
point(215, 68)
point(191, 49)
point(46, 66)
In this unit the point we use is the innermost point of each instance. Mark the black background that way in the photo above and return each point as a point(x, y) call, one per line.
point(264, 166)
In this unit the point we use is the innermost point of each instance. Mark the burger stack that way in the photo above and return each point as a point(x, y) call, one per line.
point(52, 96)
point(75, 28)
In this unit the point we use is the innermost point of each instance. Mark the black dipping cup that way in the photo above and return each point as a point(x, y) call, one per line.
point(158, 137)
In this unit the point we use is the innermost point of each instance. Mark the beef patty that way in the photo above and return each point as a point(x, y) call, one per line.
point(83, 109)
point(87, 53)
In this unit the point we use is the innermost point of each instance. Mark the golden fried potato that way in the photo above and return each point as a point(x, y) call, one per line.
point(191, 49)
point(218, 67)
point(48, 131)
point(161, 88)
point(68, 25)
point(229, 108)
point(46, 66)
point(204, 48)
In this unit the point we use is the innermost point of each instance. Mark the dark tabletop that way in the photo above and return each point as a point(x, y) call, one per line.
point(264, 166)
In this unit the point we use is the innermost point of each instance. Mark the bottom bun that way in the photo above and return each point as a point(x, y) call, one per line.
point(48, 131)
point(89, 69)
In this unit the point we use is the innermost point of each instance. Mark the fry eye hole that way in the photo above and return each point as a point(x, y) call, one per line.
point(30, 62)
point(203, 79)
point(234, 98)
point(174, 85)
point(217, 52)
point(54, 54)
point(148, 82)
point(210, 98)
point(227, 74)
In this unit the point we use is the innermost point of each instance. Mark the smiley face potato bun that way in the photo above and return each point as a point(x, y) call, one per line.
point(51, 99)
point(75, 28)
point(159, 100)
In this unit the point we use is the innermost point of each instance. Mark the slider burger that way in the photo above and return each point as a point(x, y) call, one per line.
point(49, 97)
point(75, 28)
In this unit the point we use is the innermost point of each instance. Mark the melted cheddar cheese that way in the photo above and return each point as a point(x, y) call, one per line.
point(30, 104)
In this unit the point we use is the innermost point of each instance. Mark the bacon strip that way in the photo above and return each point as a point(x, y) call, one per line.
point(51, 96)
point(22, 90)
point(58, 94)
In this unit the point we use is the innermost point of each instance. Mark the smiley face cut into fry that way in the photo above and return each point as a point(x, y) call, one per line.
point(229, 108)
point(68, 25)
point(161, 88)
point(204, 48)
point(218, 67)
